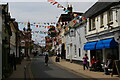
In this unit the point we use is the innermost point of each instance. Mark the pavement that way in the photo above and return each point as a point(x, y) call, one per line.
point(21, 69)
point(78, 69)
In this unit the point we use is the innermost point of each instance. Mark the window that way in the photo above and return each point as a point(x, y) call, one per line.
point(110, 16)
point(101, 20)
point(93, 23)
point(90, 25)
point(85, 30)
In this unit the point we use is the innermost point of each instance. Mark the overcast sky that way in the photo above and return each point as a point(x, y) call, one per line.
point(43, 11)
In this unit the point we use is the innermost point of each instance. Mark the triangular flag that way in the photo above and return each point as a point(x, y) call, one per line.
point(36, 25)
point(64, 9)
point(74, 21)
point(67, 11)
point(75, 15)
point(52, 2)
point(48, 23)
point(55, 3)
point(59, 6)
point(83, 18)
point(80, 20)
point(48, 27)
point(39, 25)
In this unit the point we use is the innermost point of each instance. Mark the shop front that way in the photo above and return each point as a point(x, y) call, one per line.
point(103, 49)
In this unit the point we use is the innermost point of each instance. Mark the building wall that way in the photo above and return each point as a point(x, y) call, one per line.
point(79, 40)
point(0, 44)
point(105, 22)
point(75, 50)
point(118, 17)
point(12, 41)
point(67, 46)
point(104, 32)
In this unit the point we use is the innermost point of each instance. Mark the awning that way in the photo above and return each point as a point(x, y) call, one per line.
point(90, 45)
point(107, 43)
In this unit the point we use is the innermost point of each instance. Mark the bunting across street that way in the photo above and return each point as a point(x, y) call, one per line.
point(53, 2)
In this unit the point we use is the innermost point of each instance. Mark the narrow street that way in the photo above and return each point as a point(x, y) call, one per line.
point(79, 39)
point(40, 70)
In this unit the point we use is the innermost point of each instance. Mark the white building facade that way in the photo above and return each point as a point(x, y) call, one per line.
point(102, 27)
point(75, 44)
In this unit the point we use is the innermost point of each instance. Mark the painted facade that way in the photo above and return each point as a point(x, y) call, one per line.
point(103, 26)
point(75, 45)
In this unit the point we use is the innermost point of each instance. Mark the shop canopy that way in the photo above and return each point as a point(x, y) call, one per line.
point(106, 43)
point(90, 45)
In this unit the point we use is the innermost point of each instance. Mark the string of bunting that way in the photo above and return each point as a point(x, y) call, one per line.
point(45, 25)
point(53, 2)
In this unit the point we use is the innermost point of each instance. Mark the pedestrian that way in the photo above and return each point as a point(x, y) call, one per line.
point(93, 62)
point(46, 59)
point(108, 65)
point(85, 62)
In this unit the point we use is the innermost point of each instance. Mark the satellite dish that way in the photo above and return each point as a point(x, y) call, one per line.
point(117, 37)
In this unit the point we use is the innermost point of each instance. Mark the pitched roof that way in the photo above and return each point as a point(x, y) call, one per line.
point(98, 8)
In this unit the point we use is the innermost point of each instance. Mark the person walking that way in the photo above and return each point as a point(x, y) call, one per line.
point(85, 62)
point(46, 59)
point(108, 65)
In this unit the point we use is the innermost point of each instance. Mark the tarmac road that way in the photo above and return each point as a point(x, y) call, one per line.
point(41, 71)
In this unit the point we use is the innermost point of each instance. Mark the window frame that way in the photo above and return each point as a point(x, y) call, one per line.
point(110, 16)
point(102, 20)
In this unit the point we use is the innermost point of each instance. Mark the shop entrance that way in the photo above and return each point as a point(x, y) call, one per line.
point(97, 54)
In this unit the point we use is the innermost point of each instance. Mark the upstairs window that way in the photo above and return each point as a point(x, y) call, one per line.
point(90, 28)
point(110, 16)
point(101, 20)
point(93, 24)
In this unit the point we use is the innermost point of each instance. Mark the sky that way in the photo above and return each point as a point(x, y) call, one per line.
point(42, 12)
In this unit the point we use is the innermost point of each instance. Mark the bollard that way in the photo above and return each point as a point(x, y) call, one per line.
point(25, 72)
